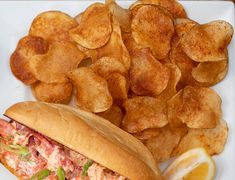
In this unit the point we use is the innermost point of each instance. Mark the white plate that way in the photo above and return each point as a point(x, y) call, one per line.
point(16, 17)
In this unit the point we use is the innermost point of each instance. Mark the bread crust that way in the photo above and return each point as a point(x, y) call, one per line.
point(90, 135)
point(4, 163)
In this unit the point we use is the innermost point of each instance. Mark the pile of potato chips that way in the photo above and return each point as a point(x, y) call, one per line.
point(146, 69)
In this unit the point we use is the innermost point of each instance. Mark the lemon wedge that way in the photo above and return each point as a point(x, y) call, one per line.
point(194, 164)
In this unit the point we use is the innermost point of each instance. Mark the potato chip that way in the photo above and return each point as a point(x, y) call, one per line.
point(184, 63)
point(122, 15)
point(92, 90)
point(183, 26)
point(114, 114)
point(148, 133)
point(197, 107)
point(153, 28)
point(53, 93)
point(118, 87)
point(175, 8)
point(213, 140)
point(107, 65)
point(52, 26)
point(174, 40)
point(147, 75)
point(173, 106)
point(27, 47)
point(208, 42)
point(161, 146)
point(115, 47)
point(210, 73)
point(143, 113)
point(89, 53)
point(78, 18)
point(94, 29)
point(170, 90)
point(59, 60)
point(85, 63)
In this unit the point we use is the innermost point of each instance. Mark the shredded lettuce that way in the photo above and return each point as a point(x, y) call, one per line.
point(60, 173)
point(41, 175)
point(86, 167)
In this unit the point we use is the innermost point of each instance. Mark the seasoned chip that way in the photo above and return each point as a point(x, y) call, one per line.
point(208, 42)
point(94, 29)
point(147, 75)
point(59, 60)
point(173, 106)
point(107, 65)
point(210, 73)
point(52, 26)
point(92, 90)
point(175, 8)
point(53, 93)
point(27, 47)
point(143, 113)
point(118, 87)
point(170, 90)
point(122, 15)
point(184, 63)
point(161, 146)
point(174, 40)
point(183, 26)
point(213, 140)
point(114, 114)
point(115, 47)
point(153, 28)
point(197, 107)
point(148, 133)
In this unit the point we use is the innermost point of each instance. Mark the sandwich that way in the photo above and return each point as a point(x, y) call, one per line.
point(52, 141)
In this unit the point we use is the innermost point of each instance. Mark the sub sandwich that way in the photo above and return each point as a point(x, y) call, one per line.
point(51, 141)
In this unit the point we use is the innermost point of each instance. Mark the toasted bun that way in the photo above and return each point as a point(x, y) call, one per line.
point(90, 135)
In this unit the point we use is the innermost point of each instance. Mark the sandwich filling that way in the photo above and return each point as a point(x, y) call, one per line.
point(34, 156)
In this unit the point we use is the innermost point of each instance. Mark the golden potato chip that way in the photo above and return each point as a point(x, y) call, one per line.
point(161, 146)
point(142, 113)
point(115, 47)
point(153, 28)
point(59, 60)
point(53, 93)
point(174, 40)
point(52, 26)
point(208, 42)
point(122, 15)
point(166, 60)
point(94, 29)
point(89, 53)
point(78, 18)
point(183, 26)
point(27, 47)
point(147, 75)
point(130, 43)
point(210, 73)
point(107, 65)
point(213, 140)
point(170, 90)
point(197, 107)
point(85, 63)
point(92, 90)
point(118, 87)
point(175, 8)
point(173, 106)
point(184, 63)
point(148, 133)
point(114, 114)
